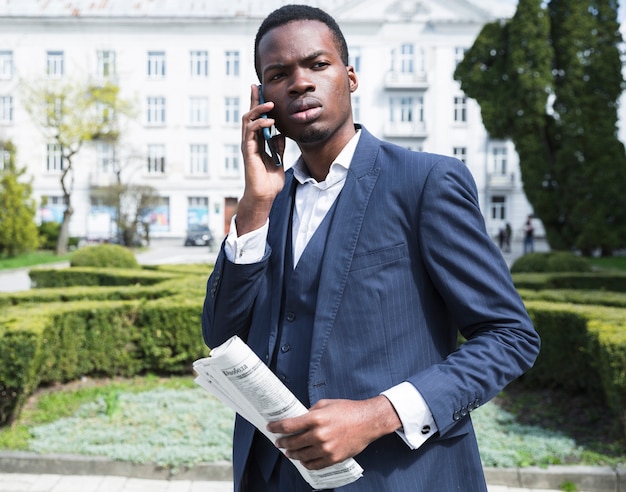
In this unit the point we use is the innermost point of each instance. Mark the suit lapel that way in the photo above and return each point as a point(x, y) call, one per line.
point(342, 239)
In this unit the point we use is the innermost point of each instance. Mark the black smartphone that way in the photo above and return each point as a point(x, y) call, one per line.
point(267, 135)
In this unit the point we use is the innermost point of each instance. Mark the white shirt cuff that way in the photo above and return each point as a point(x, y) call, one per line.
point(417, 420)
point(247, 249)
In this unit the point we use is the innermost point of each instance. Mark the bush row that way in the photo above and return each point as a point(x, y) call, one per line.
point(133, 321)
point(583, 349)
point(601, 281)
point(127, 322)
point(63, 341)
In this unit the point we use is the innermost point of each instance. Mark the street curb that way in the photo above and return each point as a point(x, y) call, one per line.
point(67, 464)
point(587, 478)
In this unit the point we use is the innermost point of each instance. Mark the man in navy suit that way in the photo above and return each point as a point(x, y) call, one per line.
point(351, 275)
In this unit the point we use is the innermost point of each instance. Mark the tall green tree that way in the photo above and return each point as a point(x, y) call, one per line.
point(72, 114)
point(550, 79)
point(18, 231)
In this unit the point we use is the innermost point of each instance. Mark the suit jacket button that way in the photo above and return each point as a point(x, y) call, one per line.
point(290, 317)
point(456, 416)
point(463, 411)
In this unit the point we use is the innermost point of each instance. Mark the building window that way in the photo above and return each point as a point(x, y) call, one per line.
point(498, 207)
point(199, 62)
point(55, 161)
point(53, 209)
point(199, 159)
point(197, 211)
point(5, 158)
point(156, 159)
point(158, 217)
point(105, 113)
point(105, 157)
point(460, 109)
point(106, 63)
point(460, 153)
point(156, 64)
point(231, 105)
point(155, 111)
point(6, 109)
point(55, 64)
point(54, 110)
point(406, 109)
point(459, 54)
point(355, 59)
point(499, 155)
point(6, 65)
point(232, 63)
point(198, 111)
point(407, 59)
point(231, 160)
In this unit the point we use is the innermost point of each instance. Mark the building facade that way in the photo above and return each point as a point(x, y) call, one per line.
point(187, 67)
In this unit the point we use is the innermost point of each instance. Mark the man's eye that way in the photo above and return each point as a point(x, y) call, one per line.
point(321, 65)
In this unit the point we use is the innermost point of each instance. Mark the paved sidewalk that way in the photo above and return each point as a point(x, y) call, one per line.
point(17, 482)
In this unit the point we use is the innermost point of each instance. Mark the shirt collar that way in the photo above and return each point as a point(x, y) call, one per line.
point(338, 169)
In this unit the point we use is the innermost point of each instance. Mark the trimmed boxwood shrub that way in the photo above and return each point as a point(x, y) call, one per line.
point(104, 255)
point(553, 261)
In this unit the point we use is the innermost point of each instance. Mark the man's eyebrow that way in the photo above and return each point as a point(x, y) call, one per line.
point(308, 58)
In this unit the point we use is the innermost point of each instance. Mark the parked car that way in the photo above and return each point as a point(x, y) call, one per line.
point(199, 236)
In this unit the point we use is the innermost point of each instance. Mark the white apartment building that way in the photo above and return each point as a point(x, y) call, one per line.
point(187, 65)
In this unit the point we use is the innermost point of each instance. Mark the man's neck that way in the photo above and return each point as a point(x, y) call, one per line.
point(318, 159)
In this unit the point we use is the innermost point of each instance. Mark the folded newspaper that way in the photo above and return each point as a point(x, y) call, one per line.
point(235, 375)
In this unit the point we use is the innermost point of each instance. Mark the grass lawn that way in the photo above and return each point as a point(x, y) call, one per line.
point(32, 259)
point(172, 422)
point(610, 263)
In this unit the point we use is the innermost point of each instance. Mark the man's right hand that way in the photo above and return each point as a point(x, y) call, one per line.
point(263, 179)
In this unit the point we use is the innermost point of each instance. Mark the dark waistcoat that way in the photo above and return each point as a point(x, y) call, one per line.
point(290, 361)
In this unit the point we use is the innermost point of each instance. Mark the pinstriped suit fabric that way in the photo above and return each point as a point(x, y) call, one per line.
point(408, 265)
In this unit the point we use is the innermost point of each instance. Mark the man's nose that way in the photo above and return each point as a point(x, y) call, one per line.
point(301, 83)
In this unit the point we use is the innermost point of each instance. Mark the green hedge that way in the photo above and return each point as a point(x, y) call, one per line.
point(573, 296)
point(581, 347)
point(88, 277)
point(104, 256)
point(127, 322)
point(130, 322)
point(552, 261)
point(604, 281)
point(64, 341)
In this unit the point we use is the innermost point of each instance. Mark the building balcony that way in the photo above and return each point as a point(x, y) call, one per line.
point(102, 80)
point(404, 129)
point(501, 181)
point(101, 180)
point(406, 80)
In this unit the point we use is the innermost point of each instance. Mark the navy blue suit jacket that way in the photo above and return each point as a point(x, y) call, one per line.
point(408, 265)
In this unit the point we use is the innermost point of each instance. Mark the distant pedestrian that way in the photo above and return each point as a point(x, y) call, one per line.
point(501, 238)
point(529, 236)
point(508, 232)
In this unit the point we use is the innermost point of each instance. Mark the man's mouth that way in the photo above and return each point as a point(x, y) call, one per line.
point(305, 110)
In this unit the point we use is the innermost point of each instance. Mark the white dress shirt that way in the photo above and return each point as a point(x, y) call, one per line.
point(313, 200)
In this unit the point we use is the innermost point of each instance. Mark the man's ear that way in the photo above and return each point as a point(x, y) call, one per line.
point(354, 81)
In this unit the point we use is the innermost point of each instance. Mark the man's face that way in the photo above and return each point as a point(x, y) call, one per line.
point(304, 77)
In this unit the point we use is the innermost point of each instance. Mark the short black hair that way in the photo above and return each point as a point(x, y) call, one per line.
point(291, 13)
